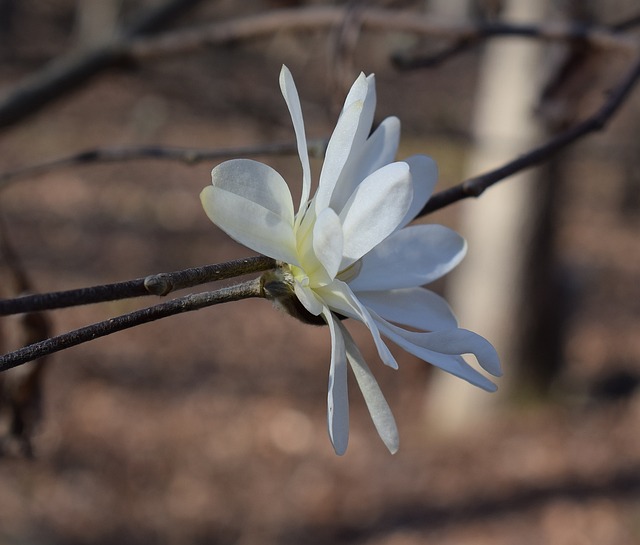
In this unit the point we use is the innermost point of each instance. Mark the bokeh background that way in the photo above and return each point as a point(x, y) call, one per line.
point(210, 427)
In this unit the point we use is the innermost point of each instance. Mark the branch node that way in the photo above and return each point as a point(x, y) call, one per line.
point(472, 189)
point(158, 284)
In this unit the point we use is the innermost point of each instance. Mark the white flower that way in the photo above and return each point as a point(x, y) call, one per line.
point(348, 253)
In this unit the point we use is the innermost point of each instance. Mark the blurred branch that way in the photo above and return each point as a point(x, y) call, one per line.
point(156, 284)
point(386, 20)
point(474, 187)
point(186, 155)
point(67, 72)
point(626, 24)
point(409, 61)
point(188, 303)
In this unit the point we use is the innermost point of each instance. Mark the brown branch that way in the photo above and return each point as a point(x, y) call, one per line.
point(186, 155)
point(409, 61)
point(69, 71)
point(251, 288)
point(626, 24)
point(374, 19)
point(474, 187)
point(156, 284)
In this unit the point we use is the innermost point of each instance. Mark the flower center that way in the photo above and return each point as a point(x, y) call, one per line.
point(300, 276)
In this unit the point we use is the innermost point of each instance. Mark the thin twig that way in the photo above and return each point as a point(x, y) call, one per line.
point(409, 61)
point(474, 187)
point(186, 155)
point(245, 290)
point(626, 24)
point(375, 19)
point(156, 284)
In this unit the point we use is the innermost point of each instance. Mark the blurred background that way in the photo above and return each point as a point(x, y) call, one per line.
point(210, 427)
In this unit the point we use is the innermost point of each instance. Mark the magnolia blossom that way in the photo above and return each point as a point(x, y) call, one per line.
point(348, 253)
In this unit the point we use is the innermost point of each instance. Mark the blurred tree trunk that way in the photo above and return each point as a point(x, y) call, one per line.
point(486, 288)
point(549, 295)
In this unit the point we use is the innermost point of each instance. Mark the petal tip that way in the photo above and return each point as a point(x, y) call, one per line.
point(340, 450)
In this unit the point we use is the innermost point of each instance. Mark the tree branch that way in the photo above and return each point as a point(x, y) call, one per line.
point(409, 61)
point(474, 187)
point(68, 71)
point(186, 155)
point(375, 19)
point(626, 24)
point(245, 290)
point(156, 284)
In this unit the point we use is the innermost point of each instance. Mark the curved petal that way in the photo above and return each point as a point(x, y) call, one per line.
point(328, 241)
point(341, 299)
point(256, 182)
point(364, 90)
point(308, 298)
point(374, 210)
point(419, 345)
point(251, 203)
point(424, 175)
point(376, 403)
point(379, 150)
point(463, 341)
point(338, 395)
point(338, 150)
point(381, 147)
point(290, 94)
point(411, 257)
point(418, 308)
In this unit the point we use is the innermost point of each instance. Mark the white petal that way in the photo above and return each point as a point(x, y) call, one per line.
point(328, 241)
point(424, 175)
point(374, 210)
point(363, 90)
point(376, 403)
point(418, 308)
point(379, 150)
point(352, 129)
point(463, 341)
point(308, 299)
point(418, 344)
point(251, 203)
point(290, 94)
point(359, 91)
point(341, 299)
point(338, 396)
point(338, 151)
point(413, 256)
point(382, 146)
point(368, 108)
point(256, 182)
